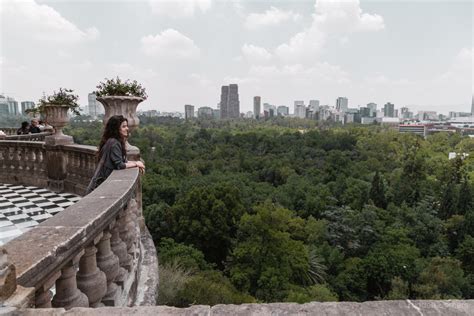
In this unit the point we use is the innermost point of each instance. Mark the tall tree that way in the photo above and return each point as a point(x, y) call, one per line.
point(377, 191)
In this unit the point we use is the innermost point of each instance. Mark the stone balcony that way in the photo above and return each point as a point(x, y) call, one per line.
point(95, 253)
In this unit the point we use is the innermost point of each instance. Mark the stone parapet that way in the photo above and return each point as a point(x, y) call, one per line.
point(38, 137)
point(376, 308)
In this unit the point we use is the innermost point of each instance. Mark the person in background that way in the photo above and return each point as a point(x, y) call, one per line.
point(34, 128)
point(112, 153)
point(24, 129)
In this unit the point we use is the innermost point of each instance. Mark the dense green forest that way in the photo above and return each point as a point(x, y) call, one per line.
point(289, 210)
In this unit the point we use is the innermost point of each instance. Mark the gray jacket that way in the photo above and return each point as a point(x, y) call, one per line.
point(112, 159)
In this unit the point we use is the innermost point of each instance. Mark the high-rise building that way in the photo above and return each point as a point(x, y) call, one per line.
point(230, 104)
point(373, 109)
point(389, 110)
point(364, 111)
point(256, 107)
point(283, 110)
point(472, 106)
point(3, 105)
point(314, 105)
point(188, 111)
point(25, 105)
point(205, 112)
point(300, 109)
point(12, 106)
point(95, 108)
point(342, 104)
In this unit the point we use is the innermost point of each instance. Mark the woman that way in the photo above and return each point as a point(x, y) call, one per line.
point(24, 129)
point(112, 153)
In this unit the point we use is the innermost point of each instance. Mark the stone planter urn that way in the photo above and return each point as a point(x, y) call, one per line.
point(126, 106)
point(57, 116)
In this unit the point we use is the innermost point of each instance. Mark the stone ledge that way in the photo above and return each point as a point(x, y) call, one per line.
point(374, 308)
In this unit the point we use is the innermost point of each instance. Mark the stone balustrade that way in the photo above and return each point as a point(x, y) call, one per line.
point(91, 252)
point(23, 162)
point(28, 137)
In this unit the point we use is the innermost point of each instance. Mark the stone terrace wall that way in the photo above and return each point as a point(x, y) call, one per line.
point(103, 234)
point(378, 308)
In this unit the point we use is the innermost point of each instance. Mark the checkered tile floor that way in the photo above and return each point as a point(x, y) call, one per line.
point(24, 207)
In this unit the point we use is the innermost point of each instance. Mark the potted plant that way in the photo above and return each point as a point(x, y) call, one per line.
point(55, 110)
point(121, 97)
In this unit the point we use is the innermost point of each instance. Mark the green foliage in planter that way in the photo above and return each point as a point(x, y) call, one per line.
point(64, 97)
point(118, 87)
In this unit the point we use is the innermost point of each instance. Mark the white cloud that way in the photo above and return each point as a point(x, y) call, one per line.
point(201, 80)
point(460, 71)
point(344, 16)
point(171, 44)
point(330, 17)
point(255, 53)
point(28, 20)
point(179, 8)
point(271, 17)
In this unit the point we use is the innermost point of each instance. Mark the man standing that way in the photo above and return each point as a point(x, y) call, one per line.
point(34, 128)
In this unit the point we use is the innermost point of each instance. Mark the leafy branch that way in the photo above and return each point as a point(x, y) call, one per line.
point(113, 87)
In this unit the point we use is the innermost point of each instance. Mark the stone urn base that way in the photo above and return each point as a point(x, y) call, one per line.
point(55, 140)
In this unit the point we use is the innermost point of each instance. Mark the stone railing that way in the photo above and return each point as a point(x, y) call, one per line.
point(91, 253)
point(23, 162)
point(29, 137)
point(9, 130)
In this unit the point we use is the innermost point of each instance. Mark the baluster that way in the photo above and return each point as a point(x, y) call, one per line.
point(108, 262)
point(127, 228)
point(90, 280)
point(67, 293)
point(120, 250)
point(43, 294)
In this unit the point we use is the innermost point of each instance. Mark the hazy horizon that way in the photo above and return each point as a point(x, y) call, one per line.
point(415, 54)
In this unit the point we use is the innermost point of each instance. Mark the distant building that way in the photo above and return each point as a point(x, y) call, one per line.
point(364, 111)
point(94, 106)
point(230, 104)
point(373, 109)
point(389, 110)
point(267, 107)
point(188, 111)
point(427, 115)
point(216, 113)
point(283, 110)
point(472, 106)
point(205, 112)
point(405, 113)
point(300, 109)
point(3, 105)
point(342, 104)
point(418, 129)
point(314, 105)
point(150, 113)
point(25, 105)
point(256, 107)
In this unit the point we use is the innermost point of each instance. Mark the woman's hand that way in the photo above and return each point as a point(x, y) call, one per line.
point(141, 166)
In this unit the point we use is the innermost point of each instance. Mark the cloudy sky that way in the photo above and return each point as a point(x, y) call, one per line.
point(411, 53)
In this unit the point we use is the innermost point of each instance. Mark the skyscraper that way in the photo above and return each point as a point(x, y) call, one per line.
point(25, 105)
point(472, 106)
point(342, 104)
point(373, 109)
point(230, 104)
point(188, 111)
point(256, 107)
point(314, 105)
point(95, 108)
point(389, 110)
point(300, 109)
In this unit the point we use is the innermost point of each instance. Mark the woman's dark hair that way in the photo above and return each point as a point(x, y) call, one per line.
point(24, 125)
point(112, 130)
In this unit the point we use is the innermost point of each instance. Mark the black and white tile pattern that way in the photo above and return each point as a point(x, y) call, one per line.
point(24, 207)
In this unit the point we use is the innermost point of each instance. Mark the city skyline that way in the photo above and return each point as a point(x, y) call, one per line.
point(416, 55)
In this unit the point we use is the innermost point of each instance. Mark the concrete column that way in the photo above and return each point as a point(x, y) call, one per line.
point(67, 293)
point(90, 280)
point(108, 262)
